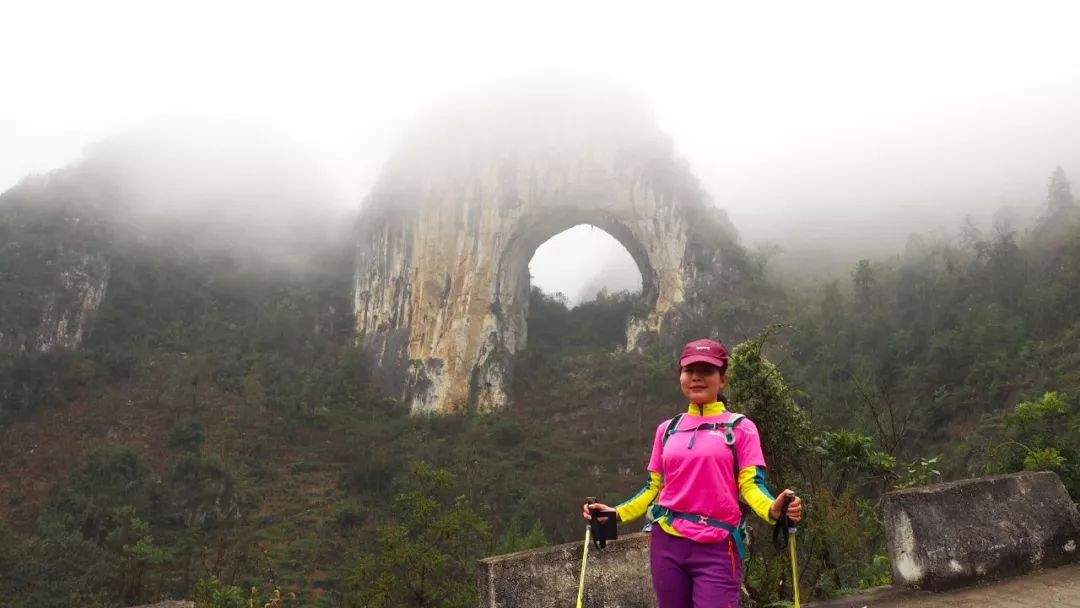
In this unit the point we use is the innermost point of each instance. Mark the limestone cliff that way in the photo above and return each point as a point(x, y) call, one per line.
point(54, 273)
point(66, 310)
point(446, 237)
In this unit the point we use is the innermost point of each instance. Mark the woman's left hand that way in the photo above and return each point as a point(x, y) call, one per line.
point(794, 510)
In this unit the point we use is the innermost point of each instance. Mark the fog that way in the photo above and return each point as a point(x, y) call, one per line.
point(833, 129)
point(606, 266)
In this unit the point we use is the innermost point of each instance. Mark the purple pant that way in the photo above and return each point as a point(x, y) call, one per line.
point(689, 574)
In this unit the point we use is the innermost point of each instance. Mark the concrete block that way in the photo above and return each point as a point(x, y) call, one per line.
point(616, 577)
point(954, 534)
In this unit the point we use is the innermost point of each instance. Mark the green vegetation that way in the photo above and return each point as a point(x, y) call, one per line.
point(263, 458)
point(933, 348)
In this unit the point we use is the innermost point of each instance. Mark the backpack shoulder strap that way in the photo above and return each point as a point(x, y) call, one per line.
point(729, 438)
point(729, 428)
point(671, 428)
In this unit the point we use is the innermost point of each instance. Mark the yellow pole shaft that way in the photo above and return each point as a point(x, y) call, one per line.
point(584, 560)
point(794, 571)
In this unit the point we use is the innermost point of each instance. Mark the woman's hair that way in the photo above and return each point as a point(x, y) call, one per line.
point(723, 369)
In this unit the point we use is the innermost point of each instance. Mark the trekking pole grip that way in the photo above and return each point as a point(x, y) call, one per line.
point(784, 526)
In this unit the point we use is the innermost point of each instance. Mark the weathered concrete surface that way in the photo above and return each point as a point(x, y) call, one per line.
point(965, 533)
point(547, 577)
point(950, 535)
point(169, 604)
point(442, 279)
point(1056, 588)
point(615, 577)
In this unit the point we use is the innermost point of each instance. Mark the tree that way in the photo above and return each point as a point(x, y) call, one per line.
point(1041, 435)
point(426, 554)
point(212, 593)
point(969, 233)
point(1059, 198)
point(760, 391)
point(846, 534)
point(864, 279)
point(87, 502)
point(832, 302)
point(132, 541)
point(202, 492)
point(188, 435)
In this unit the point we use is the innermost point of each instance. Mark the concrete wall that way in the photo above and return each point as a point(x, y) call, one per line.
point(615, 577)
point(950, 535)
point(940, 537)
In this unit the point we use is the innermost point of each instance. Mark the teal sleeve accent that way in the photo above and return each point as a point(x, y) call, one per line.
point(635, 506)
point(759, 480)
point(754, 493)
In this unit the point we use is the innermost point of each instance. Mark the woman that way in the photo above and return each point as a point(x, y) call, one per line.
point(696, 544)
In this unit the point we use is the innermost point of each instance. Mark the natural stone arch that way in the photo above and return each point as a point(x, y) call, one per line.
point(536, 228)
point(446, 236)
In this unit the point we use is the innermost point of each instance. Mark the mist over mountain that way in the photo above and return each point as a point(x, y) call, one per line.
point(242, 190)
point(221, 410)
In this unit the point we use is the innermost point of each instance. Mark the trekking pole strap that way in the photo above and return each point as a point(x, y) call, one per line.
point(784, 527)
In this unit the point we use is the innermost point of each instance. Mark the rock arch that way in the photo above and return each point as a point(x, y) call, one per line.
point(536, 228)
point(444, 242)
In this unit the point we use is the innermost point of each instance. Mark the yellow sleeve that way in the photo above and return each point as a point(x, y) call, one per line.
point(635, 507)
point(753, 491)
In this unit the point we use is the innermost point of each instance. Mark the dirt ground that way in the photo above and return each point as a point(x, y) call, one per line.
point(1059, 588)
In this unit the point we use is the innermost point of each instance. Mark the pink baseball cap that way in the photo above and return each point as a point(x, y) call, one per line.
point(704, 351)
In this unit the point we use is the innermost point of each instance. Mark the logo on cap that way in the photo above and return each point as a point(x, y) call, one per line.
point(704, 351)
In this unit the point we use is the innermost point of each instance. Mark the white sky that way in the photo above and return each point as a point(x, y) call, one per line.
point(559, 267)
point(808, 121)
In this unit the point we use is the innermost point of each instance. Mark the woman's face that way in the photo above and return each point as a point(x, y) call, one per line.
point(701, 382)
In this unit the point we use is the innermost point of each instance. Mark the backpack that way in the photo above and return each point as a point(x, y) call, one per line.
point(657, 512)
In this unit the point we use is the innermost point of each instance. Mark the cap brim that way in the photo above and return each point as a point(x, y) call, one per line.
point(702, 359)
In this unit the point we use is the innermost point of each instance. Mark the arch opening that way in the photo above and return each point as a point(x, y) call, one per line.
point(583, 288)
point(515, 291)
point(581, 263)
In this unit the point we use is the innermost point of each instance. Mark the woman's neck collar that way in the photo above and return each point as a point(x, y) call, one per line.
point(707, 409)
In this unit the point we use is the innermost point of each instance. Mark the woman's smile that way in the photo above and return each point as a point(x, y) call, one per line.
point(701, 382)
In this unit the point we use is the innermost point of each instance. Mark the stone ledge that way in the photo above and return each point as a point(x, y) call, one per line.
point(547, 577)
point(940, 537)
point(955, 534)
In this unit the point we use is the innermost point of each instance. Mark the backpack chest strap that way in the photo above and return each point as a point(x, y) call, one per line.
point(728, 426)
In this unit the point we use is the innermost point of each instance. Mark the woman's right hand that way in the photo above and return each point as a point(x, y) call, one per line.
point(794, 508)
point(588, 508)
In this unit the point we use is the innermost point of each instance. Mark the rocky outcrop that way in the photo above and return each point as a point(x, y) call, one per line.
point(66, 310)
point(53, 273)
point(442, 281)
point(950, 535)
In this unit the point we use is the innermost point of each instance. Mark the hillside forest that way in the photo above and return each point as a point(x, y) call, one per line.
point(217, 435)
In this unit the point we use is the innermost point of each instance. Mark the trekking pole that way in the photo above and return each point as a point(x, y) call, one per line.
point(792, 530)
point(784, 535)
point(585, 555)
